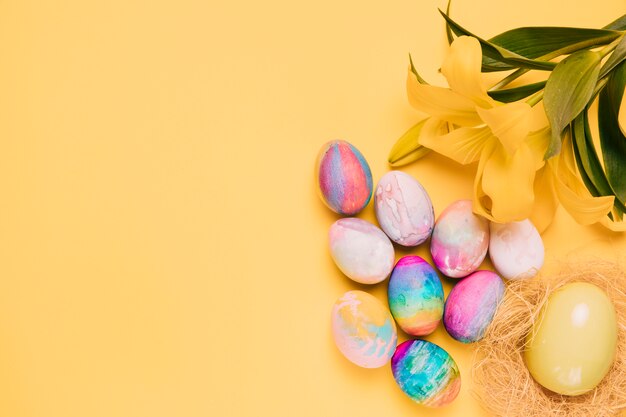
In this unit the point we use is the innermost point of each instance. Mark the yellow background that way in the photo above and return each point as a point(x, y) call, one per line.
point(162, 248)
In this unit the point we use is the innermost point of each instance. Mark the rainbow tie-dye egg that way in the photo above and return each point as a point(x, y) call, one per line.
point(363, 329)
point(415, 296)
point(426, 373)
point(344, 178)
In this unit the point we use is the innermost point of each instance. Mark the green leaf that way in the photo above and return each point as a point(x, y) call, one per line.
point(448, 30)
point(588, 161)
point(498, 53)
point(617, 24)
point(612, 140)
point(517, 93)
point(579, 143)
point(618, 55)
point(407, 149)
point(589, 166)
point(568, 90)
point(414, 71)
point(547, 42)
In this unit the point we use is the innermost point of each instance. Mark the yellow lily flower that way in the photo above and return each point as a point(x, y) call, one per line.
point(495, 134)
point(513, 182)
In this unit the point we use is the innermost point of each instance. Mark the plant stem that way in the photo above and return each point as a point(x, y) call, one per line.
point(599, 86)
point(535, 98)
point(554, 54)
point(509, 78)
point(610, 47)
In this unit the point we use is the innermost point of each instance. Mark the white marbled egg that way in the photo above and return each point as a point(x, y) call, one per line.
point(403, 209)
point(516, 249)
point(361, 250)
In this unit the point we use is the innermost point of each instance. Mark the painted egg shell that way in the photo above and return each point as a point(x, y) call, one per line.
point(572, 345)
point(460, 240)
point(471, 305)
point(344, 178)
point(415, 296)
point(363, 329)
point(361, 250)
point(426, 373)
point(516, 249)
point(403, 209)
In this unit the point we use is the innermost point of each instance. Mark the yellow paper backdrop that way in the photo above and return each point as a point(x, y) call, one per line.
point(162, 248)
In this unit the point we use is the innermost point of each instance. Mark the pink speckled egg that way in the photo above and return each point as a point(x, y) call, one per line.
point(471, 305)
point(403, 209)
point(344, 178)
point(460, 240)
point(361, 250)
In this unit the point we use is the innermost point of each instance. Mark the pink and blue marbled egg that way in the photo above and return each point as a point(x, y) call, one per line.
point(426, 373)
point(363, 329)
point(415, 296)
point(344, 178)
point(471, 305)
point(403, 209)
point(460, 240)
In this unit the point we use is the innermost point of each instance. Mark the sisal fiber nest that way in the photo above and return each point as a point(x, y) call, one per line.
point(501, 381)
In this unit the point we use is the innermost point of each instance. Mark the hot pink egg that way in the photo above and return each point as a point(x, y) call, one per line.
point(471, 305)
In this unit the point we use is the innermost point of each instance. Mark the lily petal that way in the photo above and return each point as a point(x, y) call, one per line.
point(546, 201)
point(508, 181)
point(462, 70)
point(619, 226)
point(574, 196)
point(481, 203)
point(407, 149)
point(510, 123)
point(441, 103)
point(584, 209)
point(538, 142)
point(463, 145)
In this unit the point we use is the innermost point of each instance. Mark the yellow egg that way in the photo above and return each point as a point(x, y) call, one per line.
point(572, 345)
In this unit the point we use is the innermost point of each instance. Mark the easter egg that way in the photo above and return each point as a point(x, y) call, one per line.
point(415, 296)
point(363, 329)
point(471, 305)
point(344, 178)
point(361, 250)
point(516, 249)
point(403, 209)
point(426, 373)
point(572, 344)
point(460, 240)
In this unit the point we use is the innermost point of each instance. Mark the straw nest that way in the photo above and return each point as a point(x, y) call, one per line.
point(501, 381)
